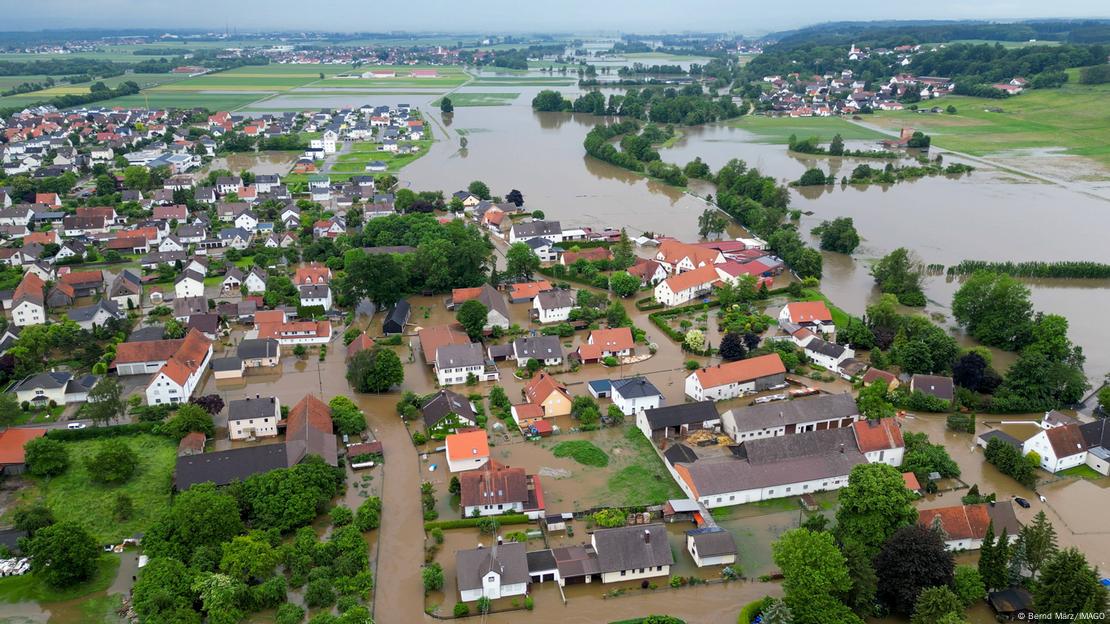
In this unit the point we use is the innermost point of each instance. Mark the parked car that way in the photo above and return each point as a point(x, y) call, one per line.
point(1022, 502)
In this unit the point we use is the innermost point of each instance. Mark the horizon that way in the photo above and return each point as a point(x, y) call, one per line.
point(495, 17)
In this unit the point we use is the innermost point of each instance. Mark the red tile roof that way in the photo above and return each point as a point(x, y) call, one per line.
point(188, 358)
point(878, 435)
point(472, 444)
point(312, 274)
point(959, 522)
point(12, 441)
point(432, 338)
point(148, 351)
point(529, 289)
point(542, 386)
point(690, 279)
point(601, 340)
point(308, 412)
point(808, 311)
point(740, 371)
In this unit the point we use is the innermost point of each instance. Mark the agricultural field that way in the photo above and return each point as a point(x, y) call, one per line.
point(1074, 118)
point(144, 81)
point(74, 496)
point(662, 58)
point(480, 99)
point(779, 129)
point(448, 77)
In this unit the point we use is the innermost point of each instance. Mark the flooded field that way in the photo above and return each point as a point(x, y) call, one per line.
point(989, 214)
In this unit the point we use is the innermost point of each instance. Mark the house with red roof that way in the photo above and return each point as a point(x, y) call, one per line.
point(467, 451)
point(603, 343)
point(182, 373)
point(811, 315)
point(965, 526)
point(12, 457)
point(684, 287)
point(880, 440)
point(732, 379)
point(495, 489)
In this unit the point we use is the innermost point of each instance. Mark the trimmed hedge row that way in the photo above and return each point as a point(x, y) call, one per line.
point(90, 433)
point(464, 523)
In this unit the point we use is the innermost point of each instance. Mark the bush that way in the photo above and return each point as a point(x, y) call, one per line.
point(462, 609)
point(369, 515)
point(692, 365)
point(961, 422)
point(583, 452)
point(46, 457)
point(341, 516)
point(432, 575)
point(289, 613)
point(504, 519)
point(488, 525)
point(114, 462)
point(319, 593)
point(610, 360)
point(609, 518)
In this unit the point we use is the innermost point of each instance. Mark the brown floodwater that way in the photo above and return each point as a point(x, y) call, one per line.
point(988, 214)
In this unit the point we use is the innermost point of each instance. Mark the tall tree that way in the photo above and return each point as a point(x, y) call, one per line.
point(105, 401)
point(861, 597)
point(992, 568)
point(1038, 543)
point(473, 316)
point(900, 274)
point(732, 347)
point(873, 506)
point(874, 402)
point(814, 573)
point(63, 554)
point(934, 603)
point(623, 256)
point(711, 221)
point(375, 370)
point(521, 262)
point(479, 189)
point(911, 560)
point(995, 308)
point(1068, 587)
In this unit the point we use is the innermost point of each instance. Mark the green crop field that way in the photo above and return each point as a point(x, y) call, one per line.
point(480, 99)
point(779, 129)
point(1074, 117)
point(169, 99)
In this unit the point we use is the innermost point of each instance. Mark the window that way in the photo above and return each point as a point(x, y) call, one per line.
point(622, 572)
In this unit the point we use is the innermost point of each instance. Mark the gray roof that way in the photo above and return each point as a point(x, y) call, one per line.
point(188, 306)
point(493, 300)
point(727, 474)
point(1005, 437)
point(633, 547)
point(781, 414)
point(712, 542)
point(825, 347)
point(314, 291)
point(47, 380)
point(1096, 434)
point(254, 348)
point(446, 402)
point(556, 298)
point(807, 444)
point(933, 385)
point(538, 243)
point(508, 559)
point(225, 467)
point(227, 364)
point(541, 561)
point(634, 388)
point(538, 347)
point(680, 453)
point(145, 334)
point(88, 313)
point(245, 409)
point(458, 355)
point(681, 414)
point(537, 228)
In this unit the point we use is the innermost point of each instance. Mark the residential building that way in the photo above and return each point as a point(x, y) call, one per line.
point(455, 363)
point(545, 349)
point(549, 394)
point(1059, 448)
point(143, 357)
point(432, 338)
point(126, 290)
point(812, 315)
point(253, 418)
point(447, 412)
point(632, 553)
point(684, 287)
point(880, 441)
point(934, 385)
point(394, 322)
point(315, 295)
point(13, 459)
point(258, 353)
point(524, 232)
point(28, 302)
point(732, 379)
point(603, 343)
point(496, 489)
point(965, 526)
point(634, 395)
point(553, 306)
point(499, 571)
point(467, 451)
point(54, 387)
point(179, 376)
point(189, 284)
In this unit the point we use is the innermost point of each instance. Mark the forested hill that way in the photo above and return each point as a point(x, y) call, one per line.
point(888, 34)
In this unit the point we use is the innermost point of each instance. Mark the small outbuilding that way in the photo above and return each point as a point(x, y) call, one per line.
point(394, 322)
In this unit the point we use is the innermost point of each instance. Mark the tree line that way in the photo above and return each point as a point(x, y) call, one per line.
point(1066, 269)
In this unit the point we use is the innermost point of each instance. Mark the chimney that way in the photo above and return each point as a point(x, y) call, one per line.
point(647, 536)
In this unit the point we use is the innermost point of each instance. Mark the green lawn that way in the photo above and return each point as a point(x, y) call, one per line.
point(1081, 471)
point(1074, 117)
point(480, 99)
point(779, 129)
point(186, 99)
point(645, 481)
point(73, 496)
point(30, 588)
point(582, 451)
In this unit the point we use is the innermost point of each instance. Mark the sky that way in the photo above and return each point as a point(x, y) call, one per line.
point(511, 16)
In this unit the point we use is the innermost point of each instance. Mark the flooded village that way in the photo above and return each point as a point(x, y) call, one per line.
point(437, 362)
